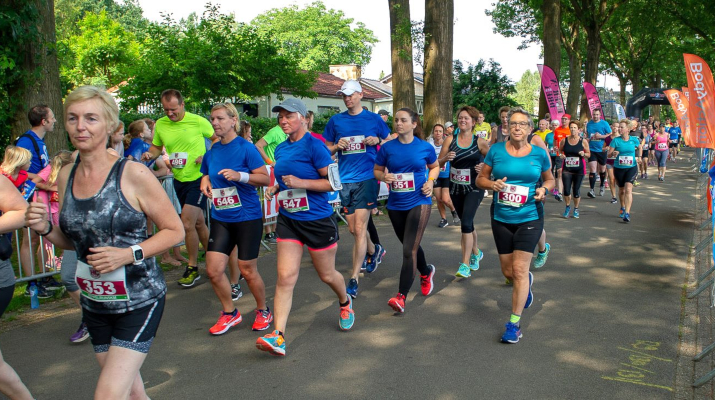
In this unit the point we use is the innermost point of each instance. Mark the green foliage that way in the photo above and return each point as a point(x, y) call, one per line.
point(518, 18)
point(316, 37)
point(527, 90)
point(482, 86)
point(210, 59)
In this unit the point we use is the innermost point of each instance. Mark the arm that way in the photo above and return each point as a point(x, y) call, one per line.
point(152, 154)
point(260, 144)
point(257, 177)
point(561, 148)
point(548, 184)
point(161, 169)
point(539, 142)
point(36, 215)
point(586, 149)
point(444, 155)
point(316, 185)
point(381, 175)
point(13, 207)
point(428, 187)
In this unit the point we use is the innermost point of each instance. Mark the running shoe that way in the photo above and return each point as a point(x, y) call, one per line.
point(270, 238)
point(601, 191)
point(42, 293)
point(554, 192)
point(567, 211)
point(512, 333)
point(427, 281)
point(81, 335)
point(474, 260)
point(507, 281)
point(636, 183)
point(559, 197)
point(397, 303)
point(622, 213)
point(627, 217)
point(236, 292)
point(607, 185)
point(379, 253)
point(225, 322)
point(263, 320)
point(191, 275)
point(542, 256)
point(530, 296)
point(645, 176)
point(273, 343)
point(591, 194)
point(455, 218)
point(347, 316)
point(364, 264)
point(352, 288)
point(371, 262)
point(463, 271)
point(576, 214)
point(614, 200)
point(442, 223)
point(50, 283)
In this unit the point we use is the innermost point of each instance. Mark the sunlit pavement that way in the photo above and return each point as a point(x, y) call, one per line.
point(604, 323)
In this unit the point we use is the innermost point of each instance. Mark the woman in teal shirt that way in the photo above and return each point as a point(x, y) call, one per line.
point(625, 149)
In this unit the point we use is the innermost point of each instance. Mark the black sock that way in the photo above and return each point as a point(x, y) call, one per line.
point(603, 178)
point(345, 304)
point(592, 180)
point(192, 268)
point(281, 333)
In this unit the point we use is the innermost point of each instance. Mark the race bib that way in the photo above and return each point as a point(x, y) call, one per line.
point(460, 176)
point(513, 195)
point(293, 200)
point(356, 144)
point(226, 198)
point(111, 286)
point(404, 182)
point(572, 162)
point(443, 168)
point(625, 161)
point(481, 134)
point(662, 146)
point(178, 160)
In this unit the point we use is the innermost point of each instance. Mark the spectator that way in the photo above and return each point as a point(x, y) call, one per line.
point(116, 140)
point(134, 145)
point(310, 118)
point(245, 131)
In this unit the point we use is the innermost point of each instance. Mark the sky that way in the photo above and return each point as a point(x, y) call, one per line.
point(474, 38)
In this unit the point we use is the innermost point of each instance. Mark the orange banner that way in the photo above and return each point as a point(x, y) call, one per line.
point(698, 132)
point(680, 105)
point(702, 98)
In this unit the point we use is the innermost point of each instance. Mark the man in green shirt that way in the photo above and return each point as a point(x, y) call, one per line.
point(182, 134)
point(267, 147)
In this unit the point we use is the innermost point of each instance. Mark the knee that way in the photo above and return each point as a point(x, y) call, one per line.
point(287, 278)
point(215, 270)
point(467, 227)
point(248, 270)
point(327, 276)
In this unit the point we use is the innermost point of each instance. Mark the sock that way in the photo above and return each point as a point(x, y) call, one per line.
point(603, 178)
point(345, 304)
point(592, 180)
point(192, 268)
point(281, 333)
point(514, 319)
point(542, 252)
point(234, 312)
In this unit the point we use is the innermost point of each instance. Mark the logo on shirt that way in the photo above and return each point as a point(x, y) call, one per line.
point(290, 194)
point(94, 273)
point(512, 188)
point(398, 177)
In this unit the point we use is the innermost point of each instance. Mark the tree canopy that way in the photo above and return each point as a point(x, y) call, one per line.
point(483, 86)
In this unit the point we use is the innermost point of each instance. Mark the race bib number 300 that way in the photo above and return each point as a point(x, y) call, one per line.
point(404, 182)
point(513, 195)
point(111, 286)
point(226, 198)
point(293, 200)
point(356, 144)
point(178, 160)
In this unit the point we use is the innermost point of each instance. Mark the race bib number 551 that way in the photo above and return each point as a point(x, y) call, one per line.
point(404, 182)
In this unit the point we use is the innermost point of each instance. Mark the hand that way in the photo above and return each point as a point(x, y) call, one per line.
point(147, 156)
point(342, 144)
point(478, 168)
point(270, 192)
point(427, 188)
point(388, 178)
point(562, 156)
point(581, 153)
point(615, 153)
point(451, 155)
point(198, 159)
point(36, 216)
point(499, 184)
point(540, 194)
point(372, 140)
point(107, 259)
point(206, 187)
point(230, 175)
point(293, 182)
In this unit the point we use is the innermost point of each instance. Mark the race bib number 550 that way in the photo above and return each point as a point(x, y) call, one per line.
point(356, 144)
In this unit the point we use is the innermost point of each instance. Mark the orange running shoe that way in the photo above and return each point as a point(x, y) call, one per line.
point(397, 303)
point(263, 320)
point(225, 322)
point(273, 343)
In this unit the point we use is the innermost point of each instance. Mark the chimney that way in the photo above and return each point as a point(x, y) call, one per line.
point(346, 71)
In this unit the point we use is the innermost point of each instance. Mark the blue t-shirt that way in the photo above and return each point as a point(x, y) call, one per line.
point(238, 155)
point(549, 141)
point(136, 148)
point(601, 128)
point(401, 159)
point(675, 133)
point(303, 159)
point(625, 149)
point(39, 161)
point(521, 171)
point(356, 163)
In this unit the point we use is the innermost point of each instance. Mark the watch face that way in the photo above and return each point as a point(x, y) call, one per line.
point(138, 254)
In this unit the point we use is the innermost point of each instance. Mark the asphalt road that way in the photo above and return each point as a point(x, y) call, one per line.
point(604, 323)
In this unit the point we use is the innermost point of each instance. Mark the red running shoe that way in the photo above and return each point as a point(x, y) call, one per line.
point(263, 320)
point(225, 322)
point(427, 281)
point(397, 303)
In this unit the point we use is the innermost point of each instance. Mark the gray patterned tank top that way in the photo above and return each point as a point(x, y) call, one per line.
point(107, 219)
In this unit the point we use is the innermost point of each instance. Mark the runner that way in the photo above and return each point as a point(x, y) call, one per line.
point(105, 201)
point(267, 147)
point(483, 129)
point(305, 218)
point(543, 129)
point(354, 135)
point(182, 134)
point(560, 133)
point(610, 161)
point(625, 149)
point(661, 141)
point(410, 201)
point(597, 130)
point(674, 137)
point(465, 153)
point(573, 149)
point(517, 212)
point(502, 132)
point(645, 141)
point(232, 170)
point(441, 185)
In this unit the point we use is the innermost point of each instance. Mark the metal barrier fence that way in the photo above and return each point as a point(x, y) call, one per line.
point(47, 270)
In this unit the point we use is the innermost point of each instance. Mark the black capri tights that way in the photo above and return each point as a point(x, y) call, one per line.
point(466, 205)
point(572, 180)
point(409, 225)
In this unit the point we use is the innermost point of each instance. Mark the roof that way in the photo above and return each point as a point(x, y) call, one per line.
point(377, 85)
point(327, 85)
point(418, 77)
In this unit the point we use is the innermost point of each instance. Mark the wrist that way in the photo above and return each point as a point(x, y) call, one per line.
point(243, 177)
point(47, 232)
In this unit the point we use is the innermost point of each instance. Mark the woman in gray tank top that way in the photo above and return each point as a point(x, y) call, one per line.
point(104, 203)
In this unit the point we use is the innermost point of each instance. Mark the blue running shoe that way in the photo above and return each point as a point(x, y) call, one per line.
point(347, 316)
point(364, 264)
point(371, 263)
point(512, 333)
point(463, 271)
point(576, 214)
point(567, 210)
point(379, 253)
point(626, 217)
point(352, 288)
point(272, 343)
point(622, 213)
point(530, 296)
point(541, 257)
point(474, 260)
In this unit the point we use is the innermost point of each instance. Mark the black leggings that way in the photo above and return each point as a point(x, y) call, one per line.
point(466, 205)
point(409, 225)
point(570, 179)
point(372, 231)
point(5, 297)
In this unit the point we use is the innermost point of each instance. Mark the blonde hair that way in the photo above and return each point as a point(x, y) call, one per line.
point(15, 158)
point(62, 158)
point(106, 101)
point(136, 129)
point(231, 111)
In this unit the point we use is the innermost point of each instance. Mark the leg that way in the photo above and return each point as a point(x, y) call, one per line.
point(592, 165)
point(372, 232)
point(611, 182)
point(216, 271)
point(289, 255)
point(249, 270)
point(120, 378)
point(190, 216)
point(10, 383)
point(469, 235)
point(357, 223)
point(558, 181)
point(520, 276)
point(602, 174)
point(409, 227)
point(576, 186)
point(447, 199)
point(628, 196)
point(324, 263)
point(233, 271)
point(440, 203)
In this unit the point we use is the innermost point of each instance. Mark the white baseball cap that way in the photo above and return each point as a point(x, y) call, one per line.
point(349, 87)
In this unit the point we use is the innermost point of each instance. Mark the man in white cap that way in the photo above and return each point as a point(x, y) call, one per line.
point(354, 135)
point(449, 128)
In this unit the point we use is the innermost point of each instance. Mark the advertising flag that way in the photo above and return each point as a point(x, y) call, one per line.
point(620, 112)
point(552, 91)
point(698, 132)
point(702, 97)
point(680, 106)
point(594, 102)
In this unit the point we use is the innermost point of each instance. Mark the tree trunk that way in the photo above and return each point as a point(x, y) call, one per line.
point(623, 82)
point(551, 9)
point(575, 87)
point(403, 79)
point(439, 35)
point(41, 55)
point(656, 108)
point(593, 53)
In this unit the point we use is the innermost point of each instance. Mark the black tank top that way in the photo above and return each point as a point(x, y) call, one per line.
point(465, 158)
point(572, 150)
point(107, 219)
point(501, 137)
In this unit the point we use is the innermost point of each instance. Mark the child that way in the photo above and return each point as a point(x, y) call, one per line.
point(49, 195)
point(15, 165)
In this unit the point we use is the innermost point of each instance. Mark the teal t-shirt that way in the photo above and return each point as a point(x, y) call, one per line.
point(626, 157)
point(516, 204)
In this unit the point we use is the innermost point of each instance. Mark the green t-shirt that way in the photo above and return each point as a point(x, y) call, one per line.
point(273, 138)
point(184, 143)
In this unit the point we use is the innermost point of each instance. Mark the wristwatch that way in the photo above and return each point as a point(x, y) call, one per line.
point(137, 253)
